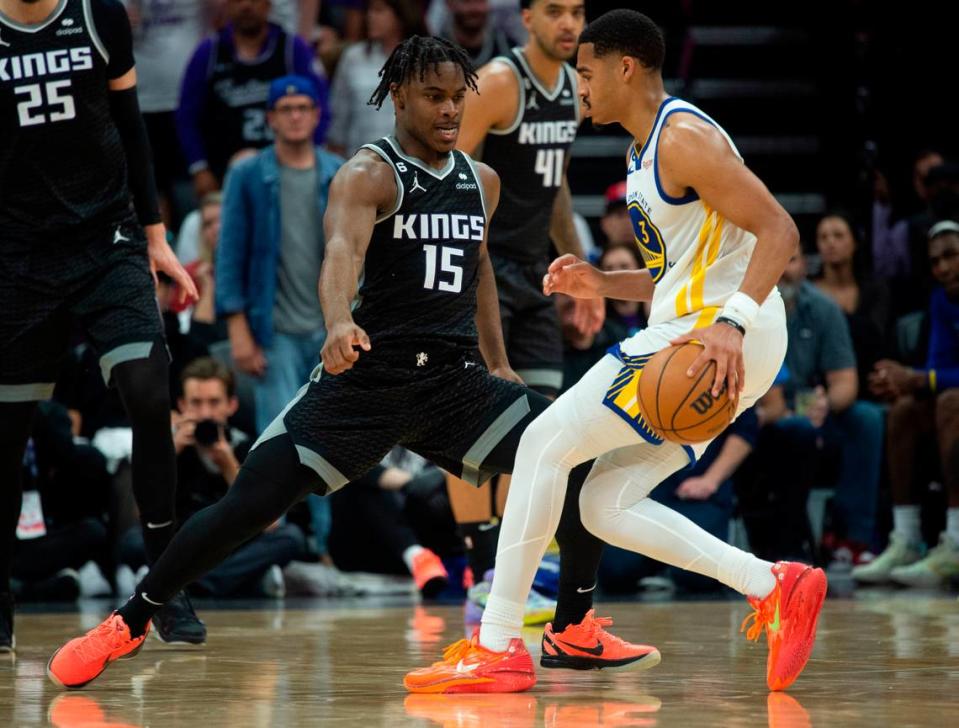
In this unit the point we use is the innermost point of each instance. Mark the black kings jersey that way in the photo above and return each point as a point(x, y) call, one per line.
point(62, 164)
point(234, 112)
point(530, 157)
point(420, 275)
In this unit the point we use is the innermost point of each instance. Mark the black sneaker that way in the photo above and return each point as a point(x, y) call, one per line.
point(177, 623)
point(7, 641)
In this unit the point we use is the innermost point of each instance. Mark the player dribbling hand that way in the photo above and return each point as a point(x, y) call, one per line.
point(162, 258)
point(724, 345)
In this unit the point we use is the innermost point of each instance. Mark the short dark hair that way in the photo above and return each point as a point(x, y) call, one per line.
point(207, 367)
point(628, 32)
point(416, 55)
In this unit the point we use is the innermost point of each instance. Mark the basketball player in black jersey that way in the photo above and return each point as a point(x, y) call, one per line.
point(73, 156)
point(400, 363)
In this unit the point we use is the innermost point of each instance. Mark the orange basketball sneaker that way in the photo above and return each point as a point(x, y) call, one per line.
point(588, 646)
point(82, 659)
point(789, 613)
point(468, 667)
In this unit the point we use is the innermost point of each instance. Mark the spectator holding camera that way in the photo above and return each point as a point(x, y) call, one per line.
point(208, 457)
point(924, 413)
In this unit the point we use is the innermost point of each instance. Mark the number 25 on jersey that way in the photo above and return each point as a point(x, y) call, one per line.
point(45, 102)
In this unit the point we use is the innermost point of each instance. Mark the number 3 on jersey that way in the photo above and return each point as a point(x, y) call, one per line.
point(549, 163)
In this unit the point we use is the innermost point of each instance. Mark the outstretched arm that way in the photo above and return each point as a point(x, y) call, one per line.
point(694, 154)
point(488, 323)
point(363, 188)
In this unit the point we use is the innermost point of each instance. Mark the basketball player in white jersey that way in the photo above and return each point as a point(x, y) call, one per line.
point(715, 243)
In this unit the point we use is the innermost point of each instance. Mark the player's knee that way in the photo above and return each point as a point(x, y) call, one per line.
point(594, 511)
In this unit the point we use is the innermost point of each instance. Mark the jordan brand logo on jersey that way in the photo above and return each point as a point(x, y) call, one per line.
point(118, 236)
point(531, 102)
point(4, 43)
point(416, 183)
point(422, 358)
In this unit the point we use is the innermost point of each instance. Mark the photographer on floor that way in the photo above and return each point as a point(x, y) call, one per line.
point(209, 453)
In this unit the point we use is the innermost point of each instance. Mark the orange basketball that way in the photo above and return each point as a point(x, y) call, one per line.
point(679, 408)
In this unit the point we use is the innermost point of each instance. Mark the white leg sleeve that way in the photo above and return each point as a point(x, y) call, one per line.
point(615, 508)
point(575, 428)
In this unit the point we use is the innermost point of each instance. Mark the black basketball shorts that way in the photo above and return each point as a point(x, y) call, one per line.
point(534, 342)
point(434, 399)
point(99, 284)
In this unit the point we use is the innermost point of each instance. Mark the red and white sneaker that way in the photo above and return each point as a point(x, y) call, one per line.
point(468, 667)
point(789, 614)
point(83, 658)
point(588, 646)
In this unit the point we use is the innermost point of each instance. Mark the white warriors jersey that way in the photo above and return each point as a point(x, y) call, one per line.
point(696, 257)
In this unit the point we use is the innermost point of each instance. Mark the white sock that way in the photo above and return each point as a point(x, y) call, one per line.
point(905, 522)
point(952, 524)
point(411, 553)
point(502, 621)
point(745, 573)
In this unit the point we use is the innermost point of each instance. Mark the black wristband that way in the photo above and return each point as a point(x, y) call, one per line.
point(730, 322)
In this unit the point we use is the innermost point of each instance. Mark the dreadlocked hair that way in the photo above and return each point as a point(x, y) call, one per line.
point(417, 55)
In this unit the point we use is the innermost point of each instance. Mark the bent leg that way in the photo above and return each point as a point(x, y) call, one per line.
point(615, 507)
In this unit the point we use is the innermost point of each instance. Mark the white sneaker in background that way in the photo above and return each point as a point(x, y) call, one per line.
point(273, 584)
point(92, 581)
point(899, 553)
point(939, 565)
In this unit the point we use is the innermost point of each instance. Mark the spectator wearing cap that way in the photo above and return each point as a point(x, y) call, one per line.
point(924, 424)
point(271, 249)
point(222, 100)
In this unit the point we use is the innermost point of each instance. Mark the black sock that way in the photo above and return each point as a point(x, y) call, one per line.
point(579, 556)
point(137, 612)
point(481, 540)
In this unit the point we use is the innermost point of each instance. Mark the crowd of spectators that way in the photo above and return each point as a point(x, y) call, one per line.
point(251, 107)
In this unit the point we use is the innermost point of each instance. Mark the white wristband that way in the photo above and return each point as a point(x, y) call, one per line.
point(741, 309)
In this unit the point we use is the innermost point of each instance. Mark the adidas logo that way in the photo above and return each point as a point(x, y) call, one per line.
point(66, 22)
point(67, 27)
point(463, 176)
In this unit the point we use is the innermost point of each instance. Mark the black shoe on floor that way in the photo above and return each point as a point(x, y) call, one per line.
point(7, 641)
point(177, 623)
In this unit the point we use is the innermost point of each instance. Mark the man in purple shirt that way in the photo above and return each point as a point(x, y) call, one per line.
point(924, 412)
point(223, 100)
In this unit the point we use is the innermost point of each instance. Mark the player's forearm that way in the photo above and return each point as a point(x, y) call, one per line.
point(627, 285)
point(775, 244)
point(562, 229)
point(338, 282)
point(488, 324)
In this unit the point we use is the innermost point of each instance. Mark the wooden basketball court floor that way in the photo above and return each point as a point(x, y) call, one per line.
point(886, 659)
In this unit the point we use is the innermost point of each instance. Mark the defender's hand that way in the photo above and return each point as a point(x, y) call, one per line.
point(508, 374)
point(570, 275)
point(589, 315)
point(340, 352)
point(724, 345)
point(162, 258)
